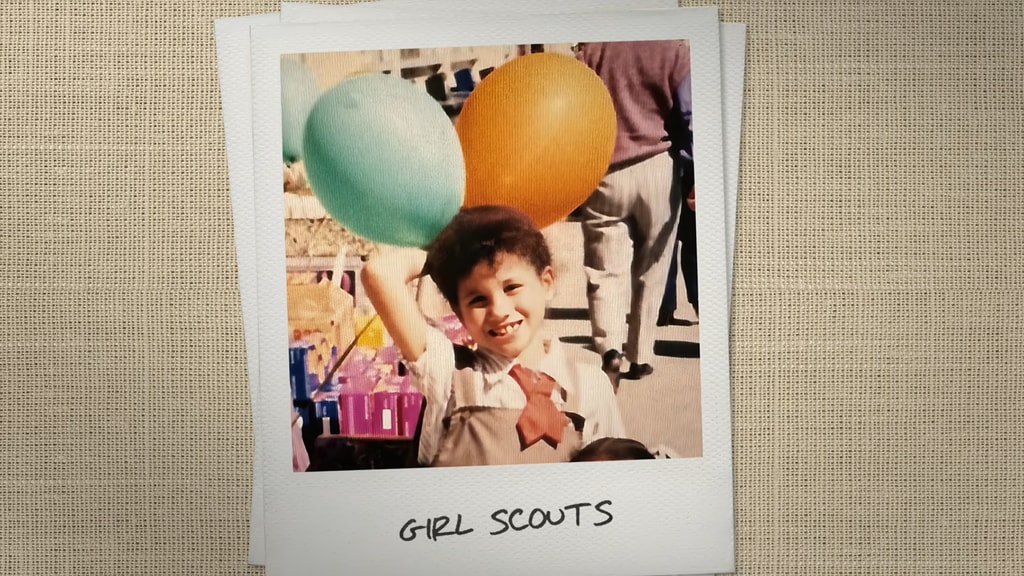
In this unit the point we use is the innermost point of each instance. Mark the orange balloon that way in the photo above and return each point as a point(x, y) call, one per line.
point(537, 134)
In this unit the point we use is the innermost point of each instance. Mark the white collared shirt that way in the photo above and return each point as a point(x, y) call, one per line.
point(495, 388)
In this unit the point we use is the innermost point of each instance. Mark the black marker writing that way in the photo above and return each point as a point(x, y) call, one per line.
point(550, 519)
point(516, 520)
point(600, 508)
point(433, 528)
point(577, 507)
point(519, 519)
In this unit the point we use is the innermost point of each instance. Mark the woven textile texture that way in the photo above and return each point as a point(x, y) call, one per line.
point(878, 336)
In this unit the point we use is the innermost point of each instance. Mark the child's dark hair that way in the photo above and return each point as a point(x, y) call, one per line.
point(480, 234)
point(613, 449)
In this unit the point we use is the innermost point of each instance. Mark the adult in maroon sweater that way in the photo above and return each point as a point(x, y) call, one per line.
point(635, 204)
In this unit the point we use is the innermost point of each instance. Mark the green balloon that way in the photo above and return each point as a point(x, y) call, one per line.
point(384, 160)
point(299, 93)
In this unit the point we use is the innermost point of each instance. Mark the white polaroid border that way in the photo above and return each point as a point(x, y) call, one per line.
point(233, 70)
point(306, 13)
point(734, 56)
point(233, 56)
point(669, 516)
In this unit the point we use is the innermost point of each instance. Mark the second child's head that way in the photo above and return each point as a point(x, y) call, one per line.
point(493, 266)
point(607, 449)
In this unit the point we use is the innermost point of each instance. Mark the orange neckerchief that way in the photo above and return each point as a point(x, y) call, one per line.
point(540, 419)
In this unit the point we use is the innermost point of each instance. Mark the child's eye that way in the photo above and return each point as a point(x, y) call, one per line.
point(477, 302)
point(512, 288)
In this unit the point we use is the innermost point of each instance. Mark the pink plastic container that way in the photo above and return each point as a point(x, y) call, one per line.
point(385, 412)
point(354, 401)
point(409, 404)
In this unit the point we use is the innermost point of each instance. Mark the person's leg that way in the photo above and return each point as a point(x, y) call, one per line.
point(670, 299)
point(688, 238)
point(655, 213)
point(605, 249)
point(688, 256)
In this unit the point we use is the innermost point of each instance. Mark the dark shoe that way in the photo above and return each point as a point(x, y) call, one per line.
point(665, 318)
point(673, 321)
point(638, 371)
point(611, 364)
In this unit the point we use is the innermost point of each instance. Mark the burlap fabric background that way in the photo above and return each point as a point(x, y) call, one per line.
point(877, 325)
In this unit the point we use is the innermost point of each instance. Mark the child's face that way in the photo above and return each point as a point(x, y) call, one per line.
point(502, 306)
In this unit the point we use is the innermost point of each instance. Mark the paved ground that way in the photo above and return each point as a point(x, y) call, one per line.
point(662, 409)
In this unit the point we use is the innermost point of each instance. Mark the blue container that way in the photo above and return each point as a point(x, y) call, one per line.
point(328, 408)
point(298, 372)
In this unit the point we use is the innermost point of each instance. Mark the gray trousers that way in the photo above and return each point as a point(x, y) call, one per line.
point(629, 224)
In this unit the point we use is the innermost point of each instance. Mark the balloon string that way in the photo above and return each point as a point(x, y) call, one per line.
point(344, 355)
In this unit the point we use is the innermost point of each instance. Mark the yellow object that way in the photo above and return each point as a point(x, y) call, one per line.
point(374, 335)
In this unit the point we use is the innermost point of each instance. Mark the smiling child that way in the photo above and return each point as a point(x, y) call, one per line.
point(515, 397)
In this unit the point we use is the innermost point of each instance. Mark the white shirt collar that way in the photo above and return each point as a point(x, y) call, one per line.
point(495, 368)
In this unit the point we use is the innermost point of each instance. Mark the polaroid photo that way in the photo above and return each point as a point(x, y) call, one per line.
point(378, 503)
point(232, 36)
point(733, 46)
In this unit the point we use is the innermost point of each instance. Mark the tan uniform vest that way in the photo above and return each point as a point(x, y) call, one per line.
point(481, 435)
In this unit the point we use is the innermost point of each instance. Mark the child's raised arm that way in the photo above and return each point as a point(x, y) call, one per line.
point(386, 277)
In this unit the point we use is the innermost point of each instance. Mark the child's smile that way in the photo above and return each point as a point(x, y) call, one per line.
point(505, 329)
point(502, 306)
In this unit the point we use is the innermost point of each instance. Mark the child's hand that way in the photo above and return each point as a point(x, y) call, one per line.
point(690, 201)
point(398, 263)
